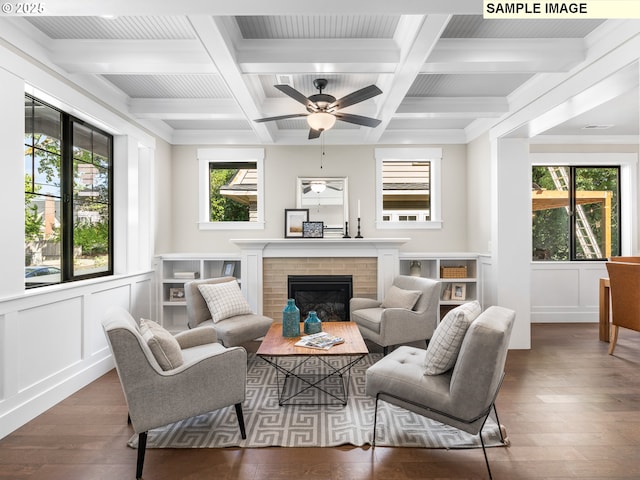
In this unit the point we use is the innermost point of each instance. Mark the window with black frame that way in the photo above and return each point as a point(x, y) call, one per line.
point(575, 212)
point(68, 197)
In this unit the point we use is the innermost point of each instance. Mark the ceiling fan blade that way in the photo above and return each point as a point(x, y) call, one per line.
point(358, 119)
point(293, 93)
point(281, 117)
point(314, 133)
point(356, 97)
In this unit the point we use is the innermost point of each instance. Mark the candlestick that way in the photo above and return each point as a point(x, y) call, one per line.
point(346, 230)
point(358, 235)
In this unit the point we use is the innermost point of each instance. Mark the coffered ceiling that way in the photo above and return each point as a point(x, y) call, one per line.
point(197, 73)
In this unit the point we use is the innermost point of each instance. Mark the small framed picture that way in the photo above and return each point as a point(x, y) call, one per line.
point(313, 229)
point(176, 294)
point(458, 291)
point(293, 220)
point(228, 269)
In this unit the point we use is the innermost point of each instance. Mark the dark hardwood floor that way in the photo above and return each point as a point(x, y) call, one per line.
point(571, 412)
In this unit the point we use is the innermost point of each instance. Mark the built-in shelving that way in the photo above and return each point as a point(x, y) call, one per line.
point(174, 270)
point(458, 274)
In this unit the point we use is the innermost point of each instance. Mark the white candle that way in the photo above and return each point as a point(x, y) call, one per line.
point(358, 208)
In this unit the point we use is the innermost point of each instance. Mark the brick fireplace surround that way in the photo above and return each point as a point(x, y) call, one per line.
point(266, 264)
point(276, 270)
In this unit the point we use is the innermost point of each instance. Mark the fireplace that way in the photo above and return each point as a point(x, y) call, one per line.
point(328, 295)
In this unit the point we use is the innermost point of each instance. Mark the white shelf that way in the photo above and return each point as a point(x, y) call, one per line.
point(173, 314)
point(430, 265)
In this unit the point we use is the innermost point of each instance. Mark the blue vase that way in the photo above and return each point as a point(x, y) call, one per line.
point(291, 320)
point(312, 324)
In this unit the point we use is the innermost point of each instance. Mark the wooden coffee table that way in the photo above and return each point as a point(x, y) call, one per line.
point(302, 370)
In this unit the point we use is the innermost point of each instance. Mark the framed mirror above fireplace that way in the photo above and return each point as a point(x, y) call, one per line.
point(327, 199)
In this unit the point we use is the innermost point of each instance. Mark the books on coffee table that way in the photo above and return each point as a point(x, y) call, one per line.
point(321, 341)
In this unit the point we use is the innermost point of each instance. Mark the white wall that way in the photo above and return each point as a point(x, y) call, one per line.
point(480, 184)
point(283, 164)
point(51, 338)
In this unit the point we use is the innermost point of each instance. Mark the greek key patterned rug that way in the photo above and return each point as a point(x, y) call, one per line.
point(268, 424)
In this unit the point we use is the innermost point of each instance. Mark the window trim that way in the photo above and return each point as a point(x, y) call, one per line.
point(68, 273)
point(433, 155)
point(628, 164)
point(207, 156)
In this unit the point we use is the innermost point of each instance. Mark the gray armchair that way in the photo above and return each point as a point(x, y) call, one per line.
point(231, 331)
point(210, 376)
point(463, 396)
point(397, 325)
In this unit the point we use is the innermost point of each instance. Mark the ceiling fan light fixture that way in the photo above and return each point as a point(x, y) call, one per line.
point(318, 186)
point(321, 121)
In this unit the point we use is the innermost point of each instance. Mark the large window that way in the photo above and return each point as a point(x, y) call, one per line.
point(575, 212)
point(408, 187)
point(68, 197)
point(231, 188)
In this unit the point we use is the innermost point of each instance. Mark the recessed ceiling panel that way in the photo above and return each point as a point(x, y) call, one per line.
point(170, 86)
point(118, 28)
point(474, 26)
point(338, 85)
point(467, 85)
point(317, 26)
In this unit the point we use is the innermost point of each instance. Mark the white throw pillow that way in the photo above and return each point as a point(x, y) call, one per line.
point(400, 298)
point(445, 344)
point(224, 300)
point(163, 345)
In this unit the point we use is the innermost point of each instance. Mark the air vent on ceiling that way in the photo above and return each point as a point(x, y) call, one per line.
point(596, 127)
point(284, 79)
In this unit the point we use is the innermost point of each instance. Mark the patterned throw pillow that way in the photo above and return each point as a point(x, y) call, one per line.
point(163, 345)
point(400, 298)
point(445, 344)
point(224, 300)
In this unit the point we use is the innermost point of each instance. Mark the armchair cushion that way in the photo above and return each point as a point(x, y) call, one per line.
point(445, 344)
point(399, 298)
point(224, 300)
point(163, 345)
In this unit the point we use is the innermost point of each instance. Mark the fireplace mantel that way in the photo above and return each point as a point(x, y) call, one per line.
point(254, 250)
point(319, 247)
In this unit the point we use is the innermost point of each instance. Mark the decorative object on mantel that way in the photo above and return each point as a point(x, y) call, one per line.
point(346, 230)
point(291, 320)
point(312, 324)
point(415, 270)
point(293, 220)
point(358, 235)
point(313, 229)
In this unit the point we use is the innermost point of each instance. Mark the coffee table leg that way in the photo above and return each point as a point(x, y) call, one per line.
point(288, 373)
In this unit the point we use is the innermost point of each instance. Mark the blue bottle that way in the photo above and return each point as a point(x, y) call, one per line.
point(312, 324)
point(291, 319)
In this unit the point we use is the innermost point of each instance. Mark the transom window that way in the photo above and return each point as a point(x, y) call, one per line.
point(408, 193)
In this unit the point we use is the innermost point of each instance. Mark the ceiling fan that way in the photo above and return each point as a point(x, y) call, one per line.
point(324, 109)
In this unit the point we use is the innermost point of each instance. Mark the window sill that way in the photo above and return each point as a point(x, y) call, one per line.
point(433, 225)
point(231, 225)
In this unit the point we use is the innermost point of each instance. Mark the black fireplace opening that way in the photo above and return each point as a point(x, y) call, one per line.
point(327, 295)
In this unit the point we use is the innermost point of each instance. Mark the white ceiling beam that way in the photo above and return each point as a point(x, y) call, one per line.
point(487, 55)
point(185, 108)
point(416, 37)
point(131, 56)
point(329, 56)
point(452, 107)
point(253, 7)
point(217, 37)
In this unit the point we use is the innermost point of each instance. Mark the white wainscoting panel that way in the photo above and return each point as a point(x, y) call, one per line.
point(565, 292)
point(52, 342)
